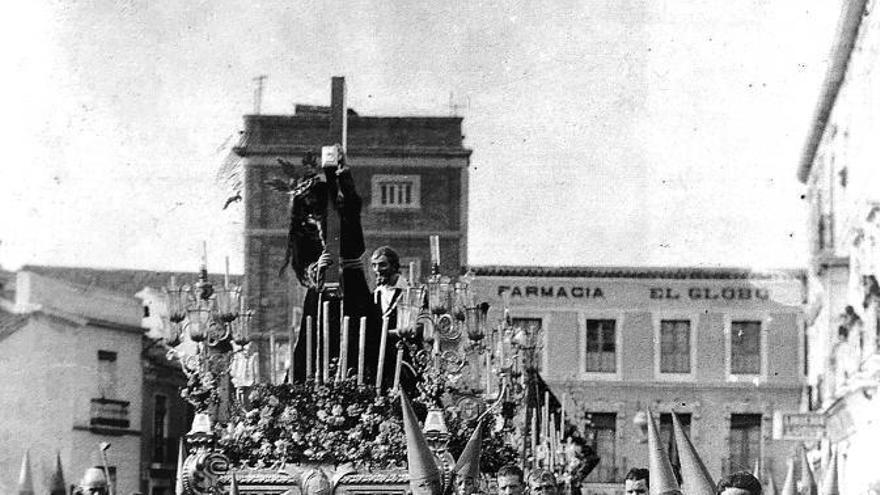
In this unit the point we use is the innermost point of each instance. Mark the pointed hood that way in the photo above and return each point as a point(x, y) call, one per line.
point(233, 485)
point(829, 483)
point(662, 478)
point(468, 465)
point(695, 479)
point(769, 486)
point(808, 482)
point(424, 475)
point(181, 456)
point(789, 488)
point(25, 478)
point(57, 486)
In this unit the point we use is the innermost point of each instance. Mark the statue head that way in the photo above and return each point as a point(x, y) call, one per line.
point(385, 264)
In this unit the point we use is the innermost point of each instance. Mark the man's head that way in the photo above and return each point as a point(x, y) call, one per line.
point(741, 483)
point(94, 482)
point(637, 482)
point(510, 480)
point(465, 485)
point(386, 265)
point(542, 482)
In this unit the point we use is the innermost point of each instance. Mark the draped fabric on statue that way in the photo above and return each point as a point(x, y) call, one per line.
point(357, 298)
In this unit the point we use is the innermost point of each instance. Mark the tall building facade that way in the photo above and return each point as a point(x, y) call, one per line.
point(412, 173)
point(839, 168)
point(723, 348)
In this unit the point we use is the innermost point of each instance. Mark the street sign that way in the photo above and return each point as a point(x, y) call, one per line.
point(798, 426)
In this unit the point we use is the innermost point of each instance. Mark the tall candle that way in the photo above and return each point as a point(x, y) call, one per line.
point(534, 436)
point(435, 250)
point(412, 273)
point(291, 341)
point(397, 365)
point(488, 374)
point(562, 417)
point(325, 359)
point(545, 426)
point(343, 349)
point(318, 340)
point(362, 343)
point(273, 367)
point(226, 275)
point(309, 346)
point(383, 344)
point(205, 254)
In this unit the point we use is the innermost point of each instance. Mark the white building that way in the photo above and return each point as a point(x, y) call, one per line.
point(841, 168)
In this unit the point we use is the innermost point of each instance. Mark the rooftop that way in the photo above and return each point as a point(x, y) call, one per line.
point(844, 42)
point(683, 273)
point(123, 281)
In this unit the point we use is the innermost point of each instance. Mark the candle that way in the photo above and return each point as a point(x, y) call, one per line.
point(412, 273)
point(545, 425)
point(383, 343)
point(325, 359)
point(362, 343)
point(318, 340)
point(397, 365)
point(291, 340)
point(343, 350)
point(309, 346)
point(272, 364)
point(205, 254)
point(488, 374)
point(435, 250)
point(562, 417)
point(226, 275)
point(534, 435)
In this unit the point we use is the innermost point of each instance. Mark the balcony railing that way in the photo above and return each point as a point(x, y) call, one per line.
point(109, 413)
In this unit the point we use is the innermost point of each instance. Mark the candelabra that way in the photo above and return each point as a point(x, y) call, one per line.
point(203, 325)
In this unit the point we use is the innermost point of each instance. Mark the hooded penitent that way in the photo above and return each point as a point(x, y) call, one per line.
point(695, 479)
point(829, 483)
point(789, 488)
point(25, 479)
point(424, 475)
point(662, 478)
point(57, 486)
point(468, 465)
point(808, 482)
point(769, 485)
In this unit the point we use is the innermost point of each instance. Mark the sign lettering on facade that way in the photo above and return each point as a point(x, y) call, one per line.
point(711, 293)
point(655, 293)
point(798, 426)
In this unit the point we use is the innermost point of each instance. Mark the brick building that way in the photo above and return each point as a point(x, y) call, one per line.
point(412, 173)
point(722, 347)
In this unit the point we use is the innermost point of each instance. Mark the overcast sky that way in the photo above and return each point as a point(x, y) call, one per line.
point(604, 131)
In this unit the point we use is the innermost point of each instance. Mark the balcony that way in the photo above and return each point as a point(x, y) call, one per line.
point(109, 413)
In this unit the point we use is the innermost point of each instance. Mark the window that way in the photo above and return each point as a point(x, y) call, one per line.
point(534, 324)
point(396, 191)
point(667, 431)
point(601, 433)
point(745, 348)
point(675, 346)
point(107, 374)
point(745, 442)
point(160, 428)
point(601, 342)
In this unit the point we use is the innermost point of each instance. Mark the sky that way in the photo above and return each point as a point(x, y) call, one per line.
point(604, 132)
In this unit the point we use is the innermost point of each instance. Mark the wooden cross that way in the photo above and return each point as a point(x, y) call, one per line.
point(338, 134)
